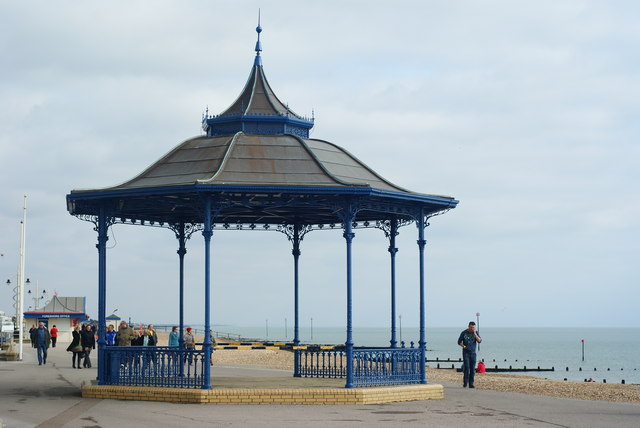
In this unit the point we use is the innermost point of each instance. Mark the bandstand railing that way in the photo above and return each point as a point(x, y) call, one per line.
point(155, 366)
point(371, 366)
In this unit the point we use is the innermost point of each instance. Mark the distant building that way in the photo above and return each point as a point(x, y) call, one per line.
point(113, 320)
point(63, 312)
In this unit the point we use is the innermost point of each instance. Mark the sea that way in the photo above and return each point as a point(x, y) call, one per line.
point(609, 355)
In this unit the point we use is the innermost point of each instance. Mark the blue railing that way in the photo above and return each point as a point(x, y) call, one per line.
point(371, 366)
point(386, 366)
point(155, 366)
point(316, 362)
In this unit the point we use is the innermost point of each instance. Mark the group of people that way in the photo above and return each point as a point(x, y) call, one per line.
point(53, 334)
point(127, 336)
point(84, 341)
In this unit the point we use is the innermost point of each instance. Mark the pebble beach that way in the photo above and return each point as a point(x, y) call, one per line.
point(491, 381)
point(282, 359)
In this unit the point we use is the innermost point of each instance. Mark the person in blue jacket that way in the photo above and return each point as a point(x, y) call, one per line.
point(467, 341)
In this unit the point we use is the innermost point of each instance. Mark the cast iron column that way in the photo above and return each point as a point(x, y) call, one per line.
point(206, 344)
point(102, 294)
point(392, 251)
point(296, 319)
point(423, 344)
point(182, 250)
point(348, 236)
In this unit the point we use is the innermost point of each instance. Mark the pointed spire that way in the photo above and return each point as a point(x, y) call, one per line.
point(258, 60)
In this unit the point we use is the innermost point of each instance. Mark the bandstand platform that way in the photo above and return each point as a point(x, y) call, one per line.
point(257, 385)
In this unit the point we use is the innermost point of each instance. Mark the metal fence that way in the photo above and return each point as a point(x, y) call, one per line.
point(371, 366)
point(155, 366)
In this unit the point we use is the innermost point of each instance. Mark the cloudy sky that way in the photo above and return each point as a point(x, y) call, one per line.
point(526, 112)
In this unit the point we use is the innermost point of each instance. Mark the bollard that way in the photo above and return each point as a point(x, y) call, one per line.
point(594, 369)
point(438, 366)
point(565, 378)
point(604, 381)
point(608, 369)
point(580, 369)
point(509, 367)
point(567, 369)
point(623, 381)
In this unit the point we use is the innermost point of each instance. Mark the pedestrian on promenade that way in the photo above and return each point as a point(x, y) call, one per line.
point(76, 347)
point(148, 338)
point(189, 339)
point(88, 340)
point(42, 341)
point(32, 332)
point(153, 333)
point(110, 335)
point(467, 341)
point(54, 336)
point(189, 343)
point(174, 337)
point(125, 335)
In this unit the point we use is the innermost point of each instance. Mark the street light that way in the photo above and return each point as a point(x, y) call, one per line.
point(36, 297)
point(478, 326)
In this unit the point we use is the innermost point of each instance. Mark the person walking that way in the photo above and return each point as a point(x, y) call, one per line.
point(54, 336)
point(42, 340)
point(189, 344)
point(110, 335)
point(76, 347)
point(467, 341)
point(174, 337)
point(32, 335)
point(88, 341)
point(153, 333)
point(125, 335)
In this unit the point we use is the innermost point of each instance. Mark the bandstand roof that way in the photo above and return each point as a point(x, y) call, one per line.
point(258, 162)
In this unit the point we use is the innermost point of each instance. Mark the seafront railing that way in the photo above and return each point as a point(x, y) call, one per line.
point(371, 366)
point(155, 366)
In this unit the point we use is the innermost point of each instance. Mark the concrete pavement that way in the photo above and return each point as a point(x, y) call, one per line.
point(49, 396)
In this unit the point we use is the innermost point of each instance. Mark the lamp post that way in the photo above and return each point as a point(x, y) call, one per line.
point(20, 287)
point(400, 326)
point(36, 297)
point(311, 328)
point(478, 326)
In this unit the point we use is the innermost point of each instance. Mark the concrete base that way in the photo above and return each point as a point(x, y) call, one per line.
point(376, 395)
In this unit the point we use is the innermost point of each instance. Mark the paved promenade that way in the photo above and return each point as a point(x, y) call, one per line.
point(49, 396)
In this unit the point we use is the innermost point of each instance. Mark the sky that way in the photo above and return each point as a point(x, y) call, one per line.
point(523, 111)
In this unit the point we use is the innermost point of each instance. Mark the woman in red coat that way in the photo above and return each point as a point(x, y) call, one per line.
point(54, 336)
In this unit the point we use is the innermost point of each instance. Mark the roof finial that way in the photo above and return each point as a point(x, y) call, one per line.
point(258, 60)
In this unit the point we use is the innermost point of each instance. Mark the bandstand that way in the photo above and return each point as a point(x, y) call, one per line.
point(256, 168)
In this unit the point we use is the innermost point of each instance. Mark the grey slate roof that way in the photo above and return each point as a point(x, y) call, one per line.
point(257, 98)
point(263, 160)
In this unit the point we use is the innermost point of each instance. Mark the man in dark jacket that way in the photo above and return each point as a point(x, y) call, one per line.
point(42, 340)
point(88, 340)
